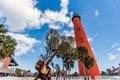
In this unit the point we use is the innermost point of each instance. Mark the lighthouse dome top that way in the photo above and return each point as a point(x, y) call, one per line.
point(75, 15)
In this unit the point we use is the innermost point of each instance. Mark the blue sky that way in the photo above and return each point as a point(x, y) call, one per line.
point(28, 21)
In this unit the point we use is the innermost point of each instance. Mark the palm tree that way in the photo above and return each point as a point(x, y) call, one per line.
point(63, 47)
point(108, 71)
point(7, 44)
point(82, 52)
point(66, 52)
point(88, 63)
point(69, 60)
point(2, 29)
point(68, 65)
point(2, 36)
point(103, 73)
point(57, 73)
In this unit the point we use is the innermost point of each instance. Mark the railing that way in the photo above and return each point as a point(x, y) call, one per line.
point(17, 78)
point(107, 78)
point(61, 78)
point(32, 78)
point(71, 78)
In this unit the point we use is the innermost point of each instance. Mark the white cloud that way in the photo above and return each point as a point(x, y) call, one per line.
point(56, 19)
point(114, 45)
point(118, 49)
point(24, 43)
point(1, 14)
point(112, 56)
point(68, 33)
point(40, 49)
point(90, 39)
point(92, 49)
point(20, 14)
point(33, 50)
point(96, 35)
point(96, 13)
point(23, 14)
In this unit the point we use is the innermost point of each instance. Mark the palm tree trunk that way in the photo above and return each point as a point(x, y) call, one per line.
point(83, 70)
point(69, 71)
point(63, 69)
point(88, 74)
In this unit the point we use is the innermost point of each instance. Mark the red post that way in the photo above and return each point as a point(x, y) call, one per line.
point(81, 40)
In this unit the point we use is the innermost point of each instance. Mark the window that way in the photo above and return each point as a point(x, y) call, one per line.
point(81, 39)
point(78, 28)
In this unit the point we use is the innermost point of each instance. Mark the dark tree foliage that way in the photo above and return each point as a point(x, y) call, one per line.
point(7, 43)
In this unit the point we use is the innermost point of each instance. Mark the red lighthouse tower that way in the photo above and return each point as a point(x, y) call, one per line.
point(81, 40)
